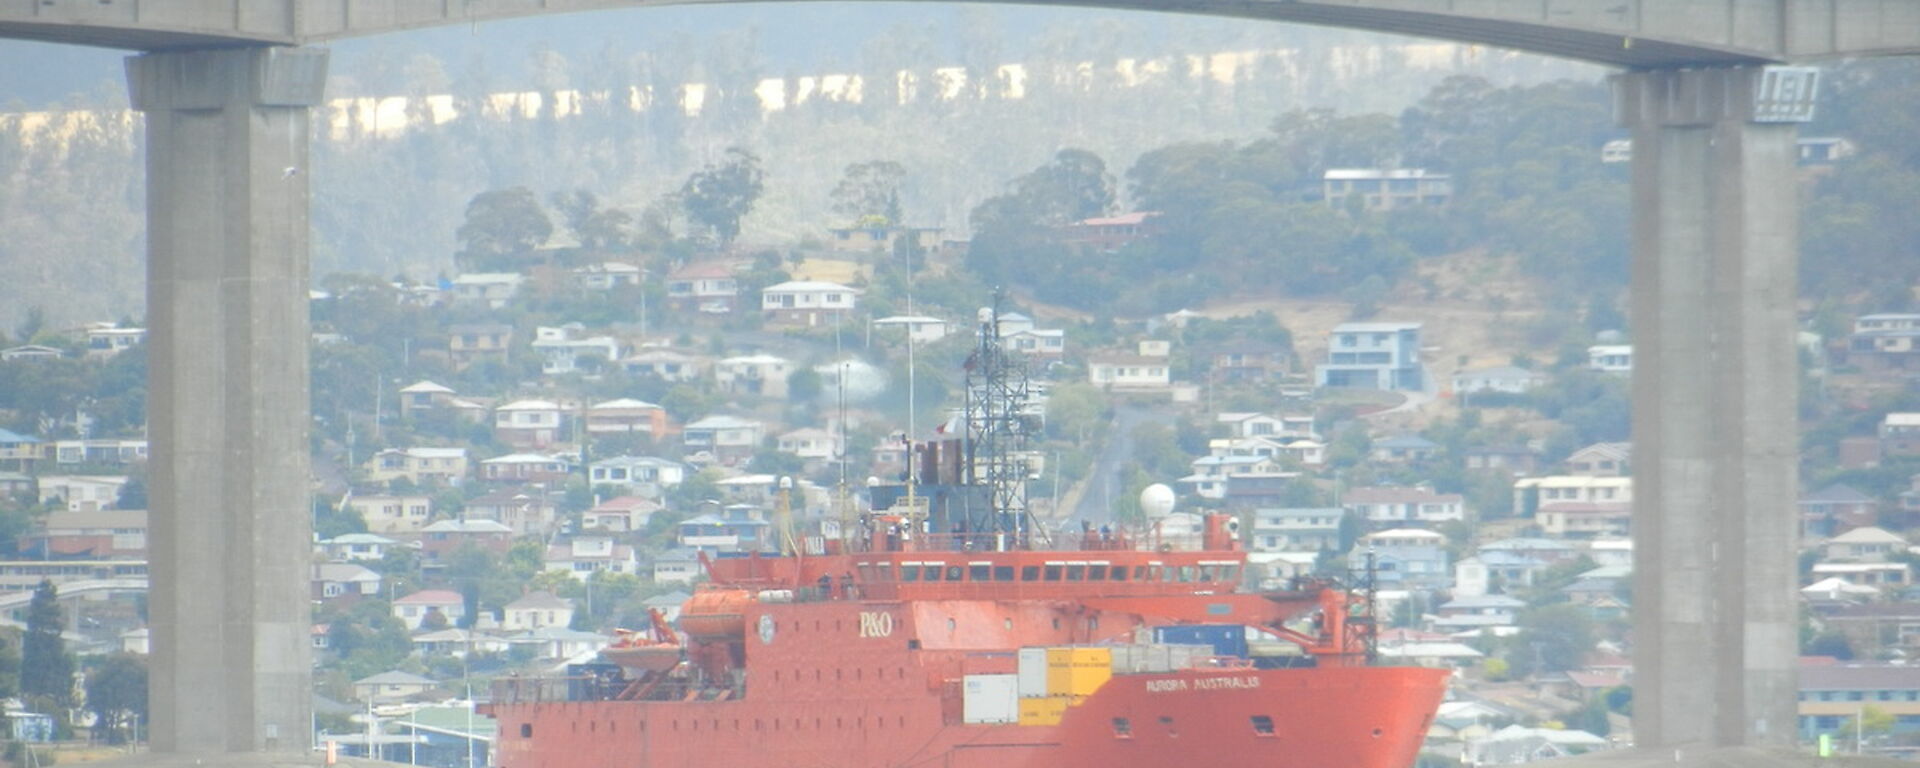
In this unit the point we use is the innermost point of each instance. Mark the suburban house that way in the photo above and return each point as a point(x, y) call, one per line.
point(1244, 360)
point(1585, 519)
point(1018, 333)
point(1511, 459)
point(106, 450)
point(812, 444)
point(529, 423)
point(107, 534)
point(1900, 434)
point(1532, 493)
point(1244, 424)
point(919, 328)
point(30, 352)
point(740, 527)
point(473, 343)
point(1601, 460)
point(1549, 551)
point(535, 610)
point(1210, 473)
point(666, 364)
point(704, 287)
point(807, 303)
point(391, 514)
point(1864, 545)
point(1402, 449)
point(676, 566)
point(524, 468)
point(392, 686)
point(1832, 696)
point(606, 276)
point(1373, 356)
point(1296, 530)
point(1610, 358)
point(1836, 509)
point(1381, 505)
point(18, 452)
point(1890, 574)
point(1404, 558)
point(644, 476)
point(621, 514)
point(357, 546)
point(562, 349)
point(730, 439)
point(493, 290)
point(883, 238)
point(1504, 380)
point(626, 416)
point(762, 374)
point(1477, 612)
point(444, 537)
point(1386, 189)
point(82, 493)
point(420, 466)
point(524, 512)
point(414, 609)
point(424, 395)
point(1107, 234)
point(1883, 342)
point(583, 555)
point(107, 340)
point(343, 582)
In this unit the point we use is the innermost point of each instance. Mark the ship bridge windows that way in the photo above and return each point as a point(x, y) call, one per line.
point(1003, 573)
point(955, 573)
point(1030, 573)
point(980, 571)
point(1139, 573)
point(1097, 571)
point(1122, 728)
point(909, 571)
point(1119, 573)
point(1262, 725)
point(1077, 572)
point(1055, 571)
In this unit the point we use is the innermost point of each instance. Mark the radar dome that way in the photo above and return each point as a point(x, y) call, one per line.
point(1156, 500)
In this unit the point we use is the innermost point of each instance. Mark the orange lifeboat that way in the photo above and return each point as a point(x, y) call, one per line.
point(716, 614)
point(634, 650)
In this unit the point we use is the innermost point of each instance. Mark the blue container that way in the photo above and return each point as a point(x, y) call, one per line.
point(1226, 639)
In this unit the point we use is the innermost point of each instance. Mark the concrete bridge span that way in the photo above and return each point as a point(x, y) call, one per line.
point(227, 87)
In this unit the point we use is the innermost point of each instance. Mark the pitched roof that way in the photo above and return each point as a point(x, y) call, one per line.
point(432, 597)
point(539, 600)
point(1868, 535)
point(395, 677)
point(425, 387)
point(1838, 493)
point(1388, 495)
point(467, 526)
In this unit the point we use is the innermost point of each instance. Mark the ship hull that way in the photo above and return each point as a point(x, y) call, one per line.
point(1340, 717)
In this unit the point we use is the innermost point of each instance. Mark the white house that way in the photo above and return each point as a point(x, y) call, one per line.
point(920, 328)
point(392, 514)
point(82, 493)
point(583, 555)
point(561, 349)
point(639, 475)
point(1404, 505)
point(357, 546)
point(107, 340)
point(810, 443)
point(1610, 358)
point(626, 416)
point(413, 609)
point(606, 276)
point(806, 303)
point(528, 423)
point(666, 364)
point(728, 438)
point(1504, 379)
point(535, 610)
point(621, 514)
point(492, 289)
point(1121, 370)
point(764, 375)
point(676, 566)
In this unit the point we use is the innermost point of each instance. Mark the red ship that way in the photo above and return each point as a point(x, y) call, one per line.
point(892, 646)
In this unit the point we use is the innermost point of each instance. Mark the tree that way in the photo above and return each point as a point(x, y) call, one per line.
point(718, 196)
point(869, 194)
point(117, 695)
point(502, 224)
point(46, 671)
point(1553, 639)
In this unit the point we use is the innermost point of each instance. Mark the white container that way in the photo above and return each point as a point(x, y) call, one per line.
point(1033, 672)
point(988, 699)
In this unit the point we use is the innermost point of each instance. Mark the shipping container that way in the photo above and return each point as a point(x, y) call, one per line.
point(1225, 639)
point(990, 699)
point(1033, 671)
point(1043, 711)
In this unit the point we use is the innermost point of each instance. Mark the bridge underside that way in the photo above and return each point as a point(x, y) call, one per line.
point(1639, 34)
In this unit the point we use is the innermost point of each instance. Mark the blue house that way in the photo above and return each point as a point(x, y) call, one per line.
point(1404, 558)
point(1373, 356)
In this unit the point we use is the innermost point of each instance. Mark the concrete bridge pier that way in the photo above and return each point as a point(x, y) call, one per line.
point(227, 232)
point(1715, 399)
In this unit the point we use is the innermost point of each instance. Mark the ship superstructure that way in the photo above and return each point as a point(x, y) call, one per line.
point(936, 631)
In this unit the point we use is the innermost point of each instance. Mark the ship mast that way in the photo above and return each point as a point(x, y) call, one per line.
point(1000, 423)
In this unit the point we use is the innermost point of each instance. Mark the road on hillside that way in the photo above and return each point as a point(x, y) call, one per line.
point(1096, 505)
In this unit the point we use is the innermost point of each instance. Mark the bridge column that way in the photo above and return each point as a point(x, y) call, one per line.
point(1715, 430)
point(227, 134)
